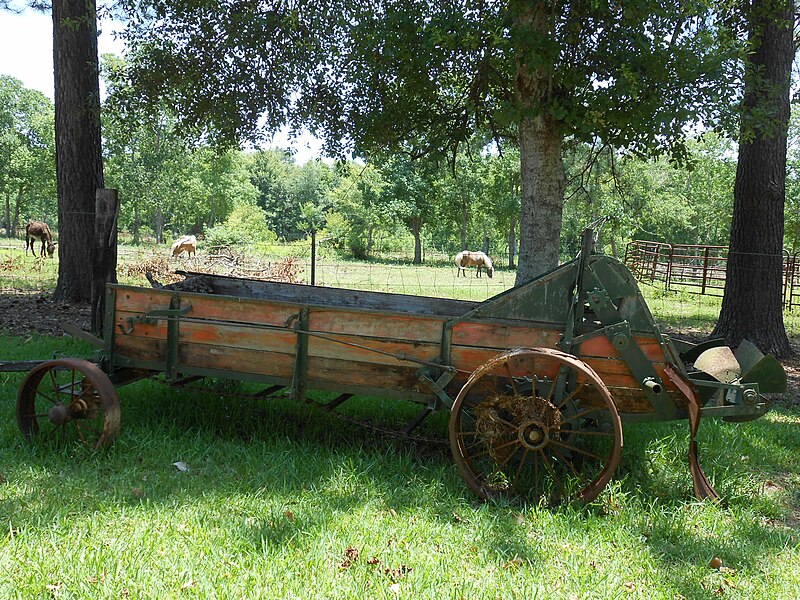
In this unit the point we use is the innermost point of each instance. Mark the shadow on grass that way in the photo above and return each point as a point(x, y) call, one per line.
point(262, 460)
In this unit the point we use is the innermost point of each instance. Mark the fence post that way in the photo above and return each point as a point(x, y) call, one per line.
point(104, 268)
point(313, 257)
point(669, 266)
point(705, 269)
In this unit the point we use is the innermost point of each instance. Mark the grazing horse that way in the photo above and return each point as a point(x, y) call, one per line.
point(38, 230)
point(474, 259)
point(187, 243)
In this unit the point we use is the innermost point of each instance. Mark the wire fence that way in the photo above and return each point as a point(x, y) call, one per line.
point(22, 273)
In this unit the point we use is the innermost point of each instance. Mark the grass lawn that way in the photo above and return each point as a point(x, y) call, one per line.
point(284, 501)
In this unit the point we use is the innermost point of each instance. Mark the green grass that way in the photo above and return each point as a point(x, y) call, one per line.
point(276, 493)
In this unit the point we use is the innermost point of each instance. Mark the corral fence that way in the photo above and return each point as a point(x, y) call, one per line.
point(698, 269)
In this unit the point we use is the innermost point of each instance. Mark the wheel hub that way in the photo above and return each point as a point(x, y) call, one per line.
point(534, 435)
point(58, 414)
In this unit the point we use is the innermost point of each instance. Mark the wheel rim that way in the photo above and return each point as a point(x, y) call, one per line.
point(68, 400)
point(537, 423)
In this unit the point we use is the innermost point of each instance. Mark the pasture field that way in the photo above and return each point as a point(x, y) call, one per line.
point(284, 501)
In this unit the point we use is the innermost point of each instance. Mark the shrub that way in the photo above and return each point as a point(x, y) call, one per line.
point(246, 224)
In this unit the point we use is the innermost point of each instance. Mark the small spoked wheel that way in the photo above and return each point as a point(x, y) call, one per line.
point(537, 423)
point(68, 400)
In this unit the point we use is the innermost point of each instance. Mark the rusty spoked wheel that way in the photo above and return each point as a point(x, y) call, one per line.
point(537, 423)
point(68, 400)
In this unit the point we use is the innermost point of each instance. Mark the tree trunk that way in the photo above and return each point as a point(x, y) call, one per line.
point(17, 205)
point(464, 219)
point(543, 184)
point(416, 229)
point(370, 232)
point(541, 164)
point(512, 242)
point(8, 214)
point(159, 226)
point(752, 304)
point(136, 225)
point(79, 164)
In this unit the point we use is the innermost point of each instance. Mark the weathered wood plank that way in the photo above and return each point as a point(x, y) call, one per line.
point(495, 335)
point(350, 374)
point(374, 350)
point(236, 360)
point(400, 327)
point(318, 296)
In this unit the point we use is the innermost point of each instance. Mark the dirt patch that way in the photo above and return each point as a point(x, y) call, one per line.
point(24, 313)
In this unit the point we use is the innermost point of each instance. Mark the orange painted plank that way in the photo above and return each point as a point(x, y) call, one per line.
point(353, 374)
point(418, 328)
point(236, 360)
point(327, 348)
point(141, 300)
point(225, 308)
point(493, 335)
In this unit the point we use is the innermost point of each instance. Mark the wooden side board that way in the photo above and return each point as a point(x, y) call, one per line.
point(349, 348)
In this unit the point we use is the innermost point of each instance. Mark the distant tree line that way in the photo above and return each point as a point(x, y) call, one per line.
point(169, 186)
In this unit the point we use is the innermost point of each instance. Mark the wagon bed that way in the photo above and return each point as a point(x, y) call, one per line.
point(538, 379)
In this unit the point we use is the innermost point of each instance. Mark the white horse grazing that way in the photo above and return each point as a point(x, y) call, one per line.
point(473, 259)
point(187, 243)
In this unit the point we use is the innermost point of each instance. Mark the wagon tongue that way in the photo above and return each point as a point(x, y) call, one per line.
point(747, 365)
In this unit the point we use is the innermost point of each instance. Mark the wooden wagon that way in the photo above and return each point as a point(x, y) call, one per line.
point(538, 379)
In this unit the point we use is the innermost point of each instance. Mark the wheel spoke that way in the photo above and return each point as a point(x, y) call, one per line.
point(582, 413)
point(46, 397)
point(566, 461)
point(53, 430)
point(511, 377)
point(546, 462)
point(55, 385)
point(521, 465)
point(576, 449)
point(80, 433)
point(586, 432)
point(572, 394)
point(496, 448)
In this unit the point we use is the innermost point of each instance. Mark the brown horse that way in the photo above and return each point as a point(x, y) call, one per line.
point(474, 259)
point(38, 230)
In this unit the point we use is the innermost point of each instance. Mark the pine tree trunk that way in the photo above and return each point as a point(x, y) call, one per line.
point(79, 162)
point(752, 304)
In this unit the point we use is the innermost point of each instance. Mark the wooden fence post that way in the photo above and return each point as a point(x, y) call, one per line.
point(104, 269)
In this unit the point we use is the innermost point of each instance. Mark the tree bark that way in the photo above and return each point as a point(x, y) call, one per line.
point(543, 185)
point(464, 219)
point(512, 242)
point(541, 164)
point(416, 229)
point(8, 214)
point(17, 205)
point(752, 304)
point(159, 226)
point(79, 164)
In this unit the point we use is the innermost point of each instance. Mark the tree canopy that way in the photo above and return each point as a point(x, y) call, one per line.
point(419, 77)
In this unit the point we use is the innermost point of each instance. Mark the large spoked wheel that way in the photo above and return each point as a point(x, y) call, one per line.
point(68, 400)
point(537, 423)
